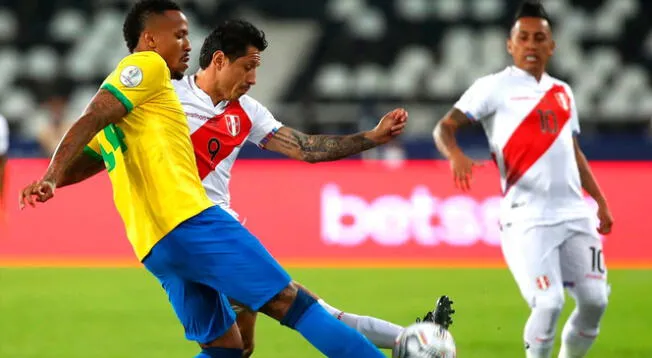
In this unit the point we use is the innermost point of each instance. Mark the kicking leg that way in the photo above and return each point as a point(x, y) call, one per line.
point(237, 264)
point(295, 308)
point(381, 333)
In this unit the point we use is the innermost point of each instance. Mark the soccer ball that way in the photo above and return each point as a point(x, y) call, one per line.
point(424, 340)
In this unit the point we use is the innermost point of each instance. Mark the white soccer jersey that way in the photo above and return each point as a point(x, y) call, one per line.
point(4, 136)
point(218, 133)
point(530, 127)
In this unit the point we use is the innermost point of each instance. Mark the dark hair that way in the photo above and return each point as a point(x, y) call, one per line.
point(137, 18)
point(531, 8)
point(232, 37)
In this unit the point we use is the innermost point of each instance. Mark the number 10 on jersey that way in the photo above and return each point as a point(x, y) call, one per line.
point(548, 120)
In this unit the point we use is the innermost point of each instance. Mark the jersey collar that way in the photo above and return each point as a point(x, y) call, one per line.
point(545, 78)
point(203, 95)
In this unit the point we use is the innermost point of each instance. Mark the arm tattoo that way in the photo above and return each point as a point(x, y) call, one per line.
point(444, 133)
point(103, 110)
point(322, 148)
point(82, 168)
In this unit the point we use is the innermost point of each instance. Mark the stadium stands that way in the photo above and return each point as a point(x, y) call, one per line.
point(332, 63)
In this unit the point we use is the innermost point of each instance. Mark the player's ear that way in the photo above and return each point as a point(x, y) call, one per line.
point(219, 59)
point(509, 44)
point(149, 39)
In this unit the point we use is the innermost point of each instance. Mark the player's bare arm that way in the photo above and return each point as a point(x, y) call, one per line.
point(82, 167)
point(590, 184)
point(323, 148)
point(444, 135)
point(103, 110)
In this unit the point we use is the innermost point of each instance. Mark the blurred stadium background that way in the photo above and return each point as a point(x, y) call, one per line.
point(333, 66)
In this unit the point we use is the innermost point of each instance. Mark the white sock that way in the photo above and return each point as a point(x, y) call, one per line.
point(583, 325)
point(538, 352)
point(575, 343)
point(381, 333)
point(540, 332)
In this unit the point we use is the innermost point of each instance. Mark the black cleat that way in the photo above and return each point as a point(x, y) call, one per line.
point(441, 314)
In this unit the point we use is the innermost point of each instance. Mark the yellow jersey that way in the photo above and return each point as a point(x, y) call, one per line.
point(148, 154)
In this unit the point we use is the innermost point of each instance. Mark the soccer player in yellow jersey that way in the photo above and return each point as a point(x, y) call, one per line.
point(198, 251)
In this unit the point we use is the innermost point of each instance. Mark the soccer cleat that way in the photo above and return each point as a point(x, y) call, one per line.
point(441, 314)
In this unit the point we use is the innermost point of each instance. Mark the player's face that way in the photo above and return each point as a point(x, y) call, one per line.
point(531, 44)
point(169, 33)
point(237, 77)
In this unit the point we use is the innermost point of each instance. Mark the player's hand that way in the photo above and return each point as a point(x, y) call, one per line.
point(462, 168)
point(390, 126)
point(38, 191)
point(606, 220)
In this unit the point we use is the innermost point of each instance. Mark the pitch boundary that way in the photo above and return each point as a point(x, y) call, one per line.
point(352, 264)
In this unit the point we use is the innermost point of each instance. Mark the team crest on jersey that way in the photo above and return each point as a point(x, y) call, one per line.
point(543, 282)
point(232, 124)
point(131, 76)
point(562, 99)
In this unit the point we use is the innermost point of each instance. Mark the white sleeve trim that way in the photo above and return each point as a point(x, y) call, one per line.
point(4, 136)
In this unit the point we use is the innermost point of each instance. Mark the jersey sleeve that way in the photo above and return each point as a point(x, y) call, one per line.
point(264, 125)
point(138, 78)
point(477, 101)
point(575, 118)
point(4, 136)
point(93, 149)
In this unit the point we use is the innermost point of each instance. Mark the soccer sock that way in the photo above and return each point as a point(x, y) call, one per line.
point(577, 341)
point(540, 331)
point(583, 325)
point(330, 336)
point(215, 352)
point(381, 333)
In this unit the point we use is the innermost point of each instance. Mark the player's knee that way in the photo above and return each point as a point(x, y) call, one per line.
point(552, 302)
point(289, 305)
point(302, 302)
point(280, 304)
point(594, 299)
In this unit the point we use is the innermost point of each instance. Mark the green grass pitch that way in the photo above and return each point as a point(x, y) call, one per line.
point(120, 313)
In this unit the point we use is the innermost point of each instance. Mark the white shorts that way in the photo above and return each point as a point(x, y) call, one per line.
point(550, 257)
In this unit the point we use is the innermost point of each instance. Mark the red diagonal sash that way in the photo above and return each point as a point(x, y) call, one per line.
point(536, 133)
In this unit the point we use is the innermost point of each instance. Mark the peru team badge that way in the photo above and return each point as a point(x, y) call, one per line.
point(233, 124)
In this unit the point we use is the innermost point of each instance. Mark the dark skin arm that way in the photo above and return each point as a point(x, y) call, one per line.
point(322, 148)
point(104, 109)
point(444, 135)
point(82, 168)
point(590, 184)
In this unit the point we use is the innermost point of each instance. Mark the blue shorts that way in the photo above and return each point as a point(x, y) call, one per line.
point(206, 259)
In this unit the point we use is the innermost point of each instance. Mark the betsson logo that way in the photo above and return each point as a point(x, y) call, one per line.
point(392, 220)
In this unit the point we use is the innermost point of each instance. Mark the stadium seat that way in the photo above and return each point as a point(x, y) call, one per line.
point(419, 53)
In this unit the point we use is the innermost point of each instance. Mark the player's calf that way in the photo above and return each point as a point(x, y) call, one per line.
point(540, 328)
point(380, 332)
point(297, 309)
point(583, 325)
